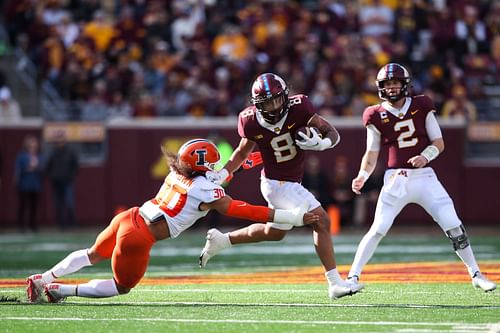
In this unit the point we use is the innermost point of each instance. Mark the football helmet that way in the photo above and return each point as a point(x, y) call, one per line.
point(393, 71)
point(200, 155)
point(270, 97)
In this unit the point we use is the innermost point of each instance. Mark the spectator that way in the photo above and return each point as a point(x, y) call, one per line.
point(376, 19)
point(10, 111)
point(459, 106)
point(28, 178)
point(62, 167)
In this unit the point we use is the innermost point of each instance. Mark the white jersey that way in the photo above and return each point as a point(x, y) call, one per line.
point(178, 201)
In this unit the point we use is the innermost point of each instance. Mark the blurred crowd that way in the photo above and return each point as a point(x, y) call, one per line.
point(154, 58)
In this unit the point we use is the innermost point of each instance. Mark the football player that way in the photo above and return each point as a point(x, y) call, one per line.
point(407, 127)
point(271, 125)
point(185, 196)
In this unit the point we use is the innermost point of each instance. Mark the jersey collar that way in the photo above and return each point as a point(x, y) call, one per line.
point(275, 128)
point(400, 113)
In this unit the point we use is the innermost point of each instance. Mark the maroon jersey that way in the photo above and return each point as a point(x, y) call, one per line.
point(404, 137)
point(282, 159)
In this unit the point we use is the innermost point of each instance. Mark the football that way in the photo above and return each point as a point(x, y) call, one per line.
point(307, 131)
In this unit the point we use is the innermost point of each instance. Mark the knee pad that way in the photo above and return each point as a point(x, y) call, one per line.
point(458, 238)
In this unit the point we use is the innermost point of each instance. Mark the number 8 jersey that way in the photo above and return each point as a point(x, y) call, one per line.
point(178, 202)
point(282, 159)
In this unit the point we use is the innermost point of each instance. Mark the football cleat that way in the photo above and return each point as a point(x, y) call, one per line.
point(480, 281)
point(53, 293)
point(216, 242)
point(35, 288)
point(344, 288)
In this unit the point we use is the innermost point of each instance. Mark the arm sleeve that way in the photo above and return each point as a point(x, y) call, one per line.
point(372, 138)
point(432, 127)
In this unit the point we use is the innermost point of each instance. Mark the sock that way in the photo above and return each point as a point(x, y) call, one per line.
point(468, 259)
point(67, 289)
point(97, 288)
point(333, 277)
point(365, 251)
point(72, 263)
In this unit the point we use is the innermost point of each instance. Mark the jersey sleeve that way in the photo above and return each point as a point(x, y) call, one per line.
point(243, 119)
point(241, 126)
point(426, 103)
point(368, 115)
point(308, 107)
point(206, 191)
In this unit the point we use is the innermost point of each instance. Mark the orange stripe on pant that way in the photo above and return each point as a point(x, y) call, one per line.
point(127, 241)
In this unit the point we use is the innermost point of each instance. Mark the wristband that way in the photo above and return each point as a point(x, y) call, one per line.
point(430, 152)
point(364, 174)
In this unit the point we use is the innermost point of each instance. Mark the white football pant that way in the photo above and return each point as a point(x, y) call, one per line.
point(286, 195)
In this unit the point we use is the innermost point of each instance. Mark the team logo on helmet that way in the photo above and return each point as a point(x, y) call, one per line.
point(200, 154)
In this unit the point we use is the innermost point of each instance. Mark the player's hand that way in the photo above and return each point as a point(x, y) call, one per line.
point(315, 142)
point(357, 184)
point(310, 218)
point(418, 161)
point(252, 160)
point(217, 177)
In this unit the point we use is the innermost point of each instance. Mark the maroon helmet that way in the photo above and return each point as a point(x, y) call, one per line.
point(393, 71)
point(270, 97)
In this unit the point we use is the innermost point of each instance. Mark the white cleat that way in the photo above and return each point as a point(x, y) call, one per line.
point(35, 287)
point(480, 281)
point(344, 288)
point(53, 293)
point(216, 242)
point(353, 281)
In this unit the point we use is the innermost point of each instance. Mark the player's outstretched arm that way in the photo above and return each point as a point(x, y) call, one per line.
point(244, 210)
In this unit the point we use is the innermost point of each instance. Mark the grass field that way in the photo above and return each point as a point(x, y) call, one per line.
point(415, 283)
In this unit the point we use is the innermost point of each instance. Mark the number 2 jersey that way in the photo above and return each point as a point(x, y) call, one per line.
point(282, 159)
point(178, 201)
point(403, 131)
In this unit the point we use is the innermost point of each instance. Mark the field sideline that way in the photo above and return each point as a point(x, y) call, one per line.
point(415, 284)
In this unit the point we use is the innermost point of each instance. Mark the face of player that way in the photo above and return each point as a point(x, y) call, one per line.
point(393, 87)
point(272, 108)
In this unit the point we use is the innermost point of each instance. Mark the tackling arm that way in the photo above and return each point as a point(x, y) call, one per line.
point(244, 210)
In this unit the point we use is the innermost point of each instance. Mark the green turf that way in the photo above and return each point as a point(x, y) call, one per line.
point(283, 307)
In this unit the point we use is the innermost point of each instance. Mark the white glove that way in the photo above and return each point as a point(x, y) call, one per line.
point(294, 216)
point(217, 177)
point(313, 143)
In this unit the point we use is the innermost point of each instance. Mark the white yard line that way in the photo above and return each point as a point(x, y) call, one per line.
point(474, 327)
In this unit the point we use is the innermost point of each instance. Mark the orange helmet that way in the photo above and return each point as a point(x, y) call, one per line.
point(200, 154)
